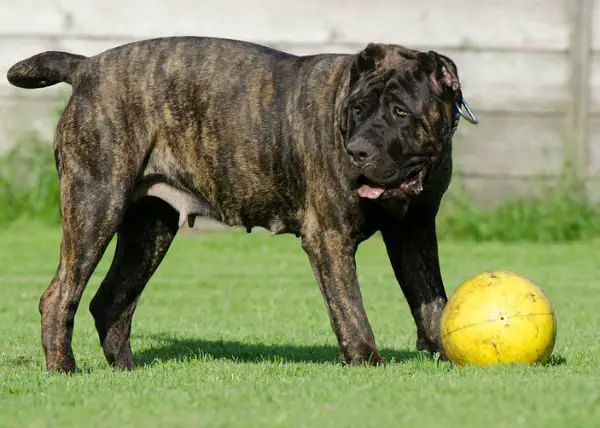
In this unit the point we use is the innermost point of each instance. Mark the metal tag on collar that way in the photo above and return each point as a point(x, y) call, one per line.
point(469, 115)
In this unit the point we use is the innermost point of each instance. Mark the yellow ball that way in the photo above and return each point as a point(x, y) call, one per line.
point(498, 318)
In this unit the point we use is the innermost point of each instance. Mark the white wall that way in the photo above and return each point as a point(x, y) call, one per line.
point(515, 59)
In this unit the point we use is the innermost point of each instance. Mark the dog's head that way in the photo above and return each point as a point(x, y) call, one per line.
point(399, 118)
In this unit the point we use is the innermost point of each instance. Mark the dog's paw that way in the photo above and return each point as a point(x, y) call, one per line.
point(362, 354)
point(433, 347)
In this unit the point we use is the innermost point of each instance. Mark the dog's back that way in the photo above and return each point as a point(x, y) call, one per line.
point(193, 112)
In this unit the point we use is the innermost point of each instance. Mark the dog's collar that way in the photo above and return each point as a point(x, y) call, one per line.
point(467, 114)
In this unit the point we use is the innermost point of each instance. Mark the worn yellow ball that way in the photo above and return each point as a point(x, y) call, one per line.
point(498, 318)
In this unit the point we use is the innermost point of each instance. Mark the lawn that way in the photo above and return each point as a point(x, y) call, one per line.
point(232, 332)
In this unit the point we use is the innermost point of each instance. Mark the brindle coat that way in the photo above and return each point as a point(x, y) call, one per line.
point(159, 131)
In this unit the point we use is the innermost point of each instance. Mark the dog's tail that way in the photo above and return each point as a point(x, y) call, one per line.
point(44, 69)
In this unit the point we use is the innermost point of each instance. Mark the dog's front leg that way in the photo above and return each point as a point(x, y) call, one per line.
point(333, 261)
point(413, 252)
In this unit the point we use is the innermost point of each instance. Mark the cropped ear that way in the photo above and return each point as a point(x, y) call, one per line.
point(366, 61)
point(445, 82)
point(443, 73)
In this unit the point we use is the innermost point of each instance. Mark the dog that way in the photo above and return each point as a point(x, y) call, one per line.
point(330, 147)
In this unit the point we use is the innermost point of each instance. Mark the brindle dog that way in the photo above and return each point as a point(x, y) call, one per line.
point(331, 147)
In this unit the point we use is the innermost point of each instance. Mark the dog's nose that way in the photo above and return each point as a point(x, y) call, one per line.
point(360, 150)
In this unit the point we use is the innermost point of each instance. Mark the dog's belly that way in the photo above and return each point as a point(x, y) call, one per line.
point(190, 206)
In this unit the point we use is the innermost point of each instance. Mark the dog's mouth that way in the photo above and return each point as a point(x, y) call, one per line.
point(411, 183)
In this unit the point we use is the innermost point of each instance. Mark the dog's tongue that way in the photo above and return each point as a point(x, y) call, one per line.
point(369, 192)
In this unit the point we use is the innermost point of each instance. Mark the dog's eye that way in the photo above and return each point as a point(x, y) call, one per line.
point(356, 110)
point(398, 112)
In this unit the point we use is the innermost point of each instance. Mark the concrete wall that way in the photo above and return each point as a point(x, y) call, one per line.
point(530, 68)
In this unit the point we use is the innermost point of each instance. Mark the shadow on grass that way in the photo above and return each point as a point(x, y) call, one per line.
point(177, 349)
point(22, 361)
point(555, 360)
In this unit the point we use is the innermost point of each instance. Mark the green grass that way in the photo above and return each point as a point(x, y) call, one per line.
point(28, 183)
point(232, 332)
point(549, 213)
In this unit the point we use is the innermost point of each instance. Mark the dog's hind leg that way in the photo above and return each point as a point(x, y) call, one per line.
point(143, 239)
point(91, 209)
